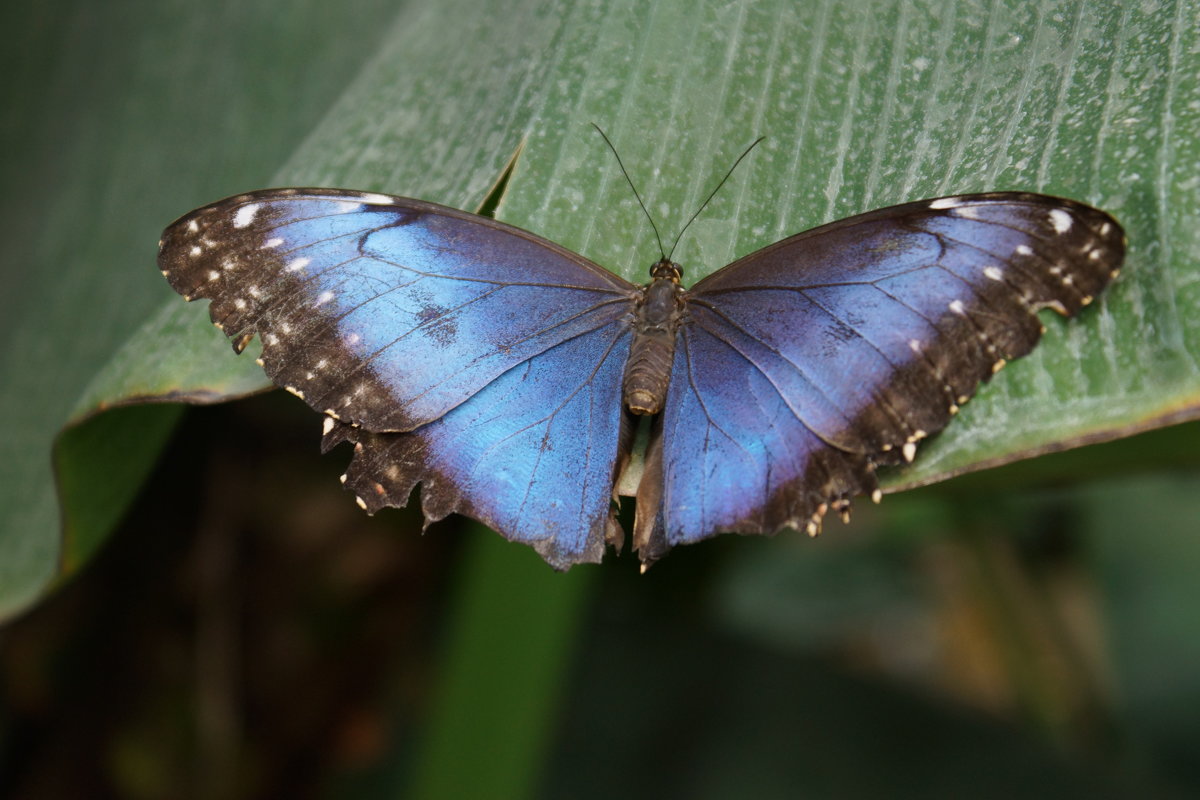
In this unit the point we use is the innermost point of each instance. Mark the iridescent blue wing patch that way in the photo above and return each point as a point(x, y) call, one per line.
point(478, 356)
point(803, 367)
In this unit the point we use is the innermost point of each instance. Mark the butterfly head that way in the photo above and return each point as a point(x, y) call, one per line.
point(667, 269)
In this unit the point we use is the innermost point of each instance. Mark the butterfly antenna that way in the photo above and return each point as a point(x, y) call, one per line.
point(713, 194)
point(634, 188)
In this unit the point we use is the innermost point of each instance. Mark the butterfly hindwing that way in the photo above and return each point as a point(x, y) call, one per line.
point(803, 366)
point(533, 455)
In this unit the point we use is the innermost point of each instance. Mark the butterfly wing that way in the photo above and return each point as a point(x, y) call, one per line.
point(804, 366)
point(534, 455)
point(454, 350)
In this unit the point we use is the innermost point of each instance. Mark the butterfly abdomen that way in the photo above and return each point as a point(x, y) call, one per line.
point(648, 371)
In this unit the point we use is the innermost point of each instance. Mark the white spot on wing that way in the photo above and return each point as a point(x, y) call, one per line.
point(195, 251)
point(377, 199)
point(967, 212)
point(910, 451)
point(193, 227)
point(1023, 250)
point(328, 425)
point(295, 265)
point(245, 215)
point(994, 273)
point(946, 202)
point(323, 298)
point(273, 242)
point(1061, 220)
point(213, 275)
point(957, 307)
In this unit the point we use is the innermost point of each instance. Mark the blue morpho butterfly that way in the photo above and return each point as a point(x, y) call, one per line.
point(502, 372)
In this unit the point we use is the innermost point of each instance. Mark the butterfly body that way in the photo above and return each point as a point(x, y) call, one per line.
point(502, 373)
point(660, 309)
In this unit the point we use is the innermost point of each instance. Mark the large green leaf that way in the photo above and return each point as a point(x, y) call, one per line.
point(115, 116)
point(863, 104)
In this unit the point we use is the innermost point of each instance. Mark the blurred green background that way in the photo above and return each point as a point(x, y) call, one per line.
point(195, 608)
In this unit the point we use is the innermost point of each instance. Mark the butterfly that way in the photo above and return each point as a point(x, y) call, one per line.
point(505, 374)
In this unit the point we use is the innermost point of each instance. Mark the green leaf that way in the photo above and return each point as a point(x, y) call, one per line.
point(863, 104)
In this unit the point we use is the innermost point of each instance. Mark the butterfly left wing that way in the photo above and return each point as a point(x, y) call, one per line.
point(455, 351)
point(802, 367)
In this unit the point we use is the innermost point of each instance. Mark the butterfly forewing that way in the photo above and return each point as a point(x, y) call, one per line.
point(805, 365)
point(385, 312)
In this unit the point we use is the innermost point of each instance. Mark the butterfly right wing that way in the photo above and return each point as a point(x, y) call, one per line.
point(803, 366)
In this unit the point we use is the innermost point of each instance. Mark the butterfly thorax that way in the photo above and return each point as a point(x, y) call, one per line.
point(659, 310)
